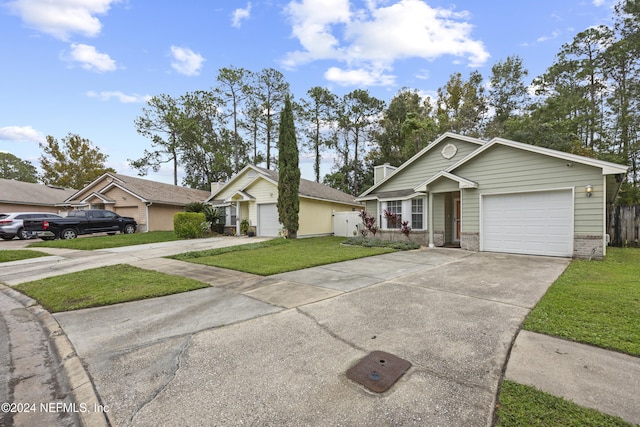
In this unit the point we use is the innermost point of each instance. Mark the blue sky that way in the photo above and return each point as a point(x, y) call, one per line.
point(88, 66)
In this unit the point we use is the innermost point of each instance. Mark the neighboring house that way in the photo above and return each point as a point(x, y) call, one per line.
point(252, 194)
point(152, 204)
point(18, 196)
point(499, 196)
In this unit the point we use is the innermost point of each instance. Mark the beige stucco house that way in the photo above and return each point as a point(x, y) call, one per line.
point(152, 204)
point(498, 196)
point(252, 194)
point(18, 196)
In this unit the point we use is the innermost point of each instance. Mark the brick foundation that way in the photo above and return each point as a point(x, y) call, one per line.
point(591, 247)
point(470, 241)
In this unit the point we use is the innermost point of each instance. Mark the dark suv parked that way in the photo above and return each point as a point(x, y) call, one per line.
point(11, 224)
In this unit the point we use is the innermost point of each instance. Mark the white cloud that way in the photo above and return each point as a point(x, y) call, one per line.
point(240, 14)
point(553, 35)
point(89, 58)
point(21, 134)
point(120, 96)
point(370, 40)
point(61, 18)
point(185, 61)
point(359, 76)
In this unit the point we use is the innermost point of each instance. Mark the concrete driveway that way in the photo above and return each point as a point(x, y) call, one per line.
point(274, 351)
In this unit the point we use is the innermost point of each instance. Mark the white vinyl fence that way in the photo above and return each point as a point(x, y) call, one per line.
point(344, 223)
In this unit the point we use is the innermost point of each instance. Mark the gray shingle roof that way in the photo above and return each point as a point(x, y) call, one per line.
point(27, 193)
point(152, 191)
point(315, 190)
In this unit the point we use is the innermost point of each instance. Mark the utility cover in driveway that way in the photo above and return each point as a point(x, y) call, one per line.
point(378, 371)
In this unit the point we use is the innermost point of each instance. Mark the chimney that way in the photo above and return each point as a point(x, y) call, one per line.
point(216, 186)
point(380, 172)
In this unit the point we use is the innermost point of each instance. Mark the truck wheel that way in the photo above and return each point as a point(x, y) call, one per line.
point(22, 235)
point(129, 229)
point(68, 234)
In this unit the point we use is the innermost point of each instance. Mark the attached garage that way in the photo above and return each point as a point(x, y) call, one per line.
point(534, 223)
point(268, 224)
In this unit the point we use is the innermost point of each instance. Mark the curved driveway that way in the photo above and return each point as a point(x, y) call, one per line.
point(274, 351)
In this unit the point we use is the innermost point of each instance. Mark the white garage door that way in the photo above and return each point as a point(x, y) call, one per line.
point(539, 223)
point(268, 224)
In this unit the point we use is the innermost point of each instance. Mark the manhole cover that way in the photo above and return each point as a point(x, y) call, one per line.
point(378, 371)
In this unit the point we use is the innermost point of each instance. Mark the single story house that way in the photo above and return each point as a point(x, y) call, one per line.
point(19, 196)
point(498, 196)
point(152, 204)
point(252, 194)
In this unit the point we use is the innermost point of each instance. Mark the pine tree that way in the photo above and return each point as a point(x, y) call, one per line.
point(289, 173)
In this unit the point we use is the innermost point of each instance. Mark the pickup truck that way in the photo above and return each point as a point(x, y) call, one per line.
point(86, 221)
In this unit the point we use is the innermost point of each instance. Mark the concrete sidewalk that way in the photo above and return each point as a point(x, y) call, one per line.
point(589, 376)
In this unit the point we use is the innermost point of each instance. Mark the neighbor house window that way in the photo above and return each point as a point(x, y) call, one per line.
point(417, 214)
point(232, 216)
point(394, 206)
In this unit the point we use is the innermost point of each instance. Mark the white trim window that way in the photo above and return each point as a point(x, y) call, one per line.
point(417, 214)
point(394, 206)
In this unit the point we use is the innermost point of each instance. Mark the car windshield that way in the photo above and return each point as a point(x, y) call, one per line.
point(3, 216)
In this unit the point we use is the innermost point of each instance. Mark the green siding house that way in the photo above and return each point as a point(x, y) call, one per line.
point(498, 196)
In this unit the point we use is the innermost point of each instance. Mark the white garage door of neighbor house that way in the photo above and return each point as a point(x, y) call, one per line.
point(268, 224)
point(538, 223)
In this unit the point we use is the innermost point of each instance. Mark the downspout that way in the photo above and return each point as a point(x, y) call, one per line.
point(146, 208)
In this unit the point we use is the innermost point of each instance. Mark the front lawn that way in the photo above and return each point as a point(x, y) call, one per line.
point(594, 302)
point(281, 255)
point(104, 241)
point(104, 286)
point(521, 405)
point(19, 254)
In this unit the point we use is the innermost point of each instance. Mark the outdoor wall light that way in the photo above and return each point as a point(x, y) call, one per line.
point(588, 190)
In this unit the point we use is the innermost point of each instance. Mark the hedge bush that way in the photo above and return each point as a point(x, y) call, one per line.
point(403, 245)
point(189, 225)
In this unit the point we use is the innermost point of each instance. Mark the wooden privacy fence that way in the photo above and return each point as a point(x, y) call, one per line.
point(623, 225)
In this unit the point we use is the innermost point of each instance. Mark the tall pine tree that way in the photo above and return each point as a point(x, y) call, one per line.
point(289, 173)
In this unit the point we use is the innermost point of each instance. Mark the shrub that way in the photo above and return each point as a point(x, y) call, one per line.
point(189, 225)
point(379, 243)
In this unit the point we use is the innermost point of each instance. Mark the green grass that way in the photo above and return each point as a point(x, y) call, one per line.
point(281, 255)
point(104, 241)
point(104, 286)
point(521, 405)
point(594, 302)
point(18, 254)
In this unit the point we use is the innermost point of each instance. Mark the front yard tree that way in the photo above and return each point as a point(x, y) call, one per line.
point(73, 162)
point(289, 173)
point(12, 167)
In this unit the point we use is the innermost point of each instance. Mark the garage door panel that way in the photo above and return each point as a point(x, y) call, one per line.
point(537, 223)
point(268, 224)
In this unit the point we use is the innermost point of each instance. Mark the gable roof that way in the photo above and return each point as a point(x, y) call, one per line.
point(421, 153)
point(462, 182)
point(608, 168)
point(307, 189)
point(145, 190)
point(27, 193)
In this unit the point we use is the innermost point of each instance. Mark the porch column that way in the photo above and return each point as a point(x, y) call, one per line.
point(430, 219)
point(238, 218)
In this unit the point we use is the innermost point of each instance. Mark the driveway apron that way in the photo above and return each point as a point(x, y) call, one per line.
point(258, 354)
